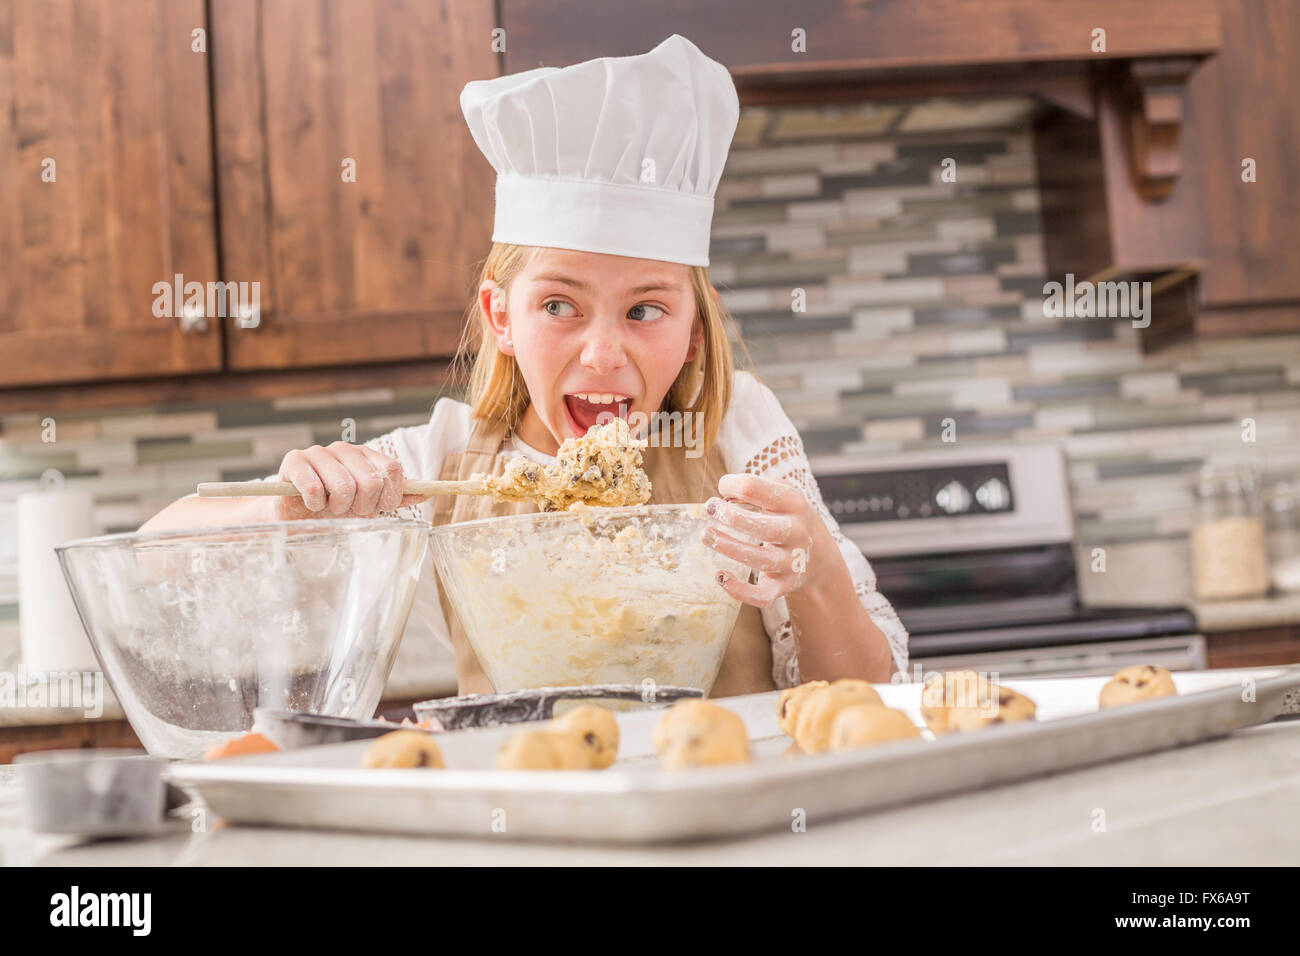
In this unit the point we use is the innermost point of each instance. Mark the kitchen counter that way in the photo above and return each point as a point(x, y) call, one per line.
point(1228, 802)
point(1155, 573)
point(1278, 610)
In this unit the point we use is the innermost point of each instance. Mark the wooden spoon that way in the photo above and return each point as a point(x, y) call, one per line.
point(287, 489)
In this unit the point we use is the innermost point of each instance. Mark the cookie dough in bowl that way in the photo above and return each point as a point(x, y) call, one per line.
point(590, 596)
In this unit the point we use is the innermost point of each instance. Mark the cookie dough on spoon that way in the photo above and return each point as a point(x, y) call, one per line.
point(601, 468)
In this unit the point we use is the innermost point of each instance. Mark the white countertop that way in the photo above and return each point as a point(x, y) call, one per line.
point(1231, 801)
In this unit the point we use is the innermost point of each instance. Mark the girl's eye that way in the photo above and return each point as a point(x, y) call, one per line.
point(559, 303)
point(638, 312)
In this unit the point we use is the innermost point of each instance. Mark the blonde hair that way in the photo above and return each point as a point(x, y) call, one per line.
point(496, 390)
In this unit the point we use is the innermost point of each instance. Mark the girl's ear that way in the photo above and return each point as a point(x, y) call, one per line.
point(492, 300)
point(697, 343)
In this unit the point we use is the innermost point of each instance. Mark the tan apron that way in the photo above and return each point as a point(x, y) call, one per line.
point(674, 479)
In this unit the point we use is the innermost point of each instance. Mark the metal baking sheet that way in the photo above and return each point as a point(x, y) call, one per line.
point(636, 802)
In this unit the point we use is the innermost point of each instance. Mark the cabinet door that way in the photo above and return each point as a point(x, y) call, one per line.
point(105, 189)
point(350, 188)
point(1244, 104)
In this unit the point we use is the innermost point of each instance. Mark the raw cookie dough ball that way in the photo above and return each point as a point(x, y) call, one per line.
point(788, 704)
point(1011, 708)
point(543, 750)
point(942, 693)
point(862, 725)
point(1133, 684)
point(966, 700)
point(403, 748)
point(812, 729)
point(696, 733)
point(596, 728)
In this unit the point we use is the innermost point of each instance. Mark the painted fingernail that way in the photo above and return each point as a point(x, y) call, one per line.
point(728, 500)
point(722, 577)
point(712, 507)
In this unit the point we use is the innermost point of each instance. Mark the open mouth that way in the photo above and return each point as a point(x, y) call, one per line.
point(585, 409)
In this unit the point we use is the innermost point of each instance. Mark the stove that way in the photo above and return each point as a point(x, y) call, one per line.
point(975, 550)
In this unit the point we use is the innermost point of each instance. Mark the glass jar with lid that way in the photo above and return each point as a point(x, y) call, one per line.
point(1229, 550)
point(1282, 514)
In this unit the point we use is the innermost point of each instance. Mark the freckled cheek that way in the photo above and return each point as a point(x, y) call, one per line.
point(661, 358)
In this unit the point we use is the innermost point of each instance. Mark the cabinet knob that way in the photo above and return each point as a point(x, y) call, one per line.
point(250, 317)
point(193, 320)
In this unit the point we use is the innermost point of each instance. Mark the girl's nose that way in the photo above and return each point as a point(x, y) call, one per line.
point(603, 352)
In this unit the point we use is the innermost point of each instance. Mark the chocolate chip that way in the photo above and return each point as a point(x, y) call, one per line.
point(424, 760)
point(1142, 683)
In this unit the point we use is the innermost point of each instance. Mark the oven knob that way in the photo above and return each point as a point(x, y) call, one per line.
point(953, 498)
point(993, 495)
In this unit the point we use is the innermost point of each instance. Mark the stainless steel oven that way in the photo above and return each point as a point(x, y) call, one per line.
point(975, 549)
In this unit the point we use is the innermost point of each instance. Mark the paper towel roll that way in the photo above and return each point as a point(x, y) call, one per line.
point(50, 631)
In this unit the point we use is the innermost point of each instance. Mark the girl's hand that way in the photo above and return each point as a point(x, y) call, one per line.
point(341, 481)
point(784, 528)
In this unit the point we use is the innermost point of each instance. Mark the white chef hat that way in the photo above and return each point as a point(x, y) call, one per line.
point(619, 155)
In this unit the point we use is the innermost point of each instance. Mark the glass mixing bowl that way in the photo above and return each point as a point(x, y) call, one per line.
point(195, 628)
point(595, 596)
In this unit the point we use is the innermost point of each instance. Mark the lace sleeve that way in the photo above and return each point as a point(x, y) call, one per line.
point(782, 457)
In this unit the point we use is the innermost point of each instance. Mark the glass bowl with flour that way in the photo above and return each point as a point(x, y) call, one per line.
point(590, 596)
point(197, 628)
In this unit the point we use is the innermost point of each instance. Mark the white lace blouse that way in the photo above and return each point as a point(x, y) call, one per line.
point(756, 437)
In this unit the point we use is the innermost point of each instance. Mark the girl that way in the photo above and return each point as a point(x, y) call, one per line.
point(593, 301)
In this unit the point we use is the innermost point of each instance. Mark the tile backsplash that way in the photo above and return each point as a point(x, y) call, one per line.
point(923, 302)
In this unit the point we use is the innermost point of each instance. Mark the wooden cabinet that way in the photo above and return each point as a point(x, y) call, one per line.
point(105, 188)
point(349, 185)
point(1229, 233)
point(301, 94)
point(1244, 105)
point(1255, 647)
point(847, 37)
